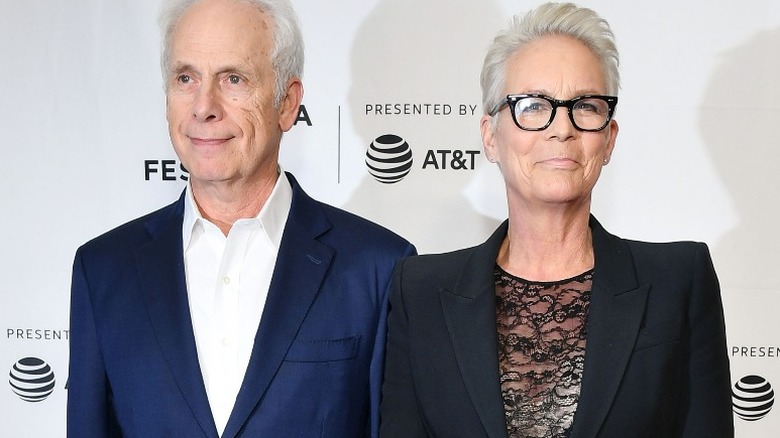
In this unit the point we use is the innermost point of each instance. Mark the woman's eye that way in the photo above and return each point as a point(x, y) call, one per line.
point(592, 106)
point(532, 108)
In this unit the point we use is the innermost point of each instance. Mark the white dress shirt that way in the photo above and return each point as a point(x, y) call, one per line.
point(227, 285)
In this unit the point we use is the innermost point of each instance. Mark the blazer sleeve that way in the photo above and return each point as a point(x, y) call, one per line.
point(89, 408)
point(709, 411)
point(400, 413)
point(377, 366)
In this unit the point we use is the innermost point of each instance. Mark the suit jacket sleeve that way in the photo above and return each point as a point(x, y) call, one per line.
point(90, 411)
point(709, 391)
point(400, 412)
point(378, 355)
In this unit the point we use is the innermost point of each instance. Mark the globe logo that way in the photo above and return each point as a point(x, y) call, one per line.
point(32, 379)
point(389, 158)
point(753, 398)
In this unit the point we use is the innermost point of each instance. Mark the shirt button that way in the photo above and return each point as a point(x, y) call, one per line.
point(226, 280)
point(225, 342)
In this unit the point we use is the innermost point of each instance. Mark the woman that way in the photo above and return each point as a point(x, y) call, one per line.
point(553, 327)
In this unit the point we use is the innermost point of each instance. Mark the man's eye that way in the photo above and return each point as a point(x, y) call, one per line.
point(234, 79)
point(184, 79)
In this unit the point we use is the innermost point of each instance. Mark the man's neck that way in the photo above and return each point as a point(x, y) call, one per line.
point(223, 203)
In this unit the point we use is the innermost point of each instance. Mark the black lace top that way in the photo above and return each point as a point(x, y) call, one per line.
point(541, 351)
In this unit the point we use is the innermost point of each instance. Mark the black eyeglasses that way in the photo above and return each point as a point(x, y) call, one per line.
point(535, 112)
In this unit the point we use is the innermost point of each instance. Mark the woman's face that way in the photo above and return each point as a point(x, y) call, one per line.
point(559, 165)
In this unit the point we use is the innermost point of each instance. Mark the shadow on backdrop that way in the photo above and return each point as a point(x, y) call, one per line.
point(739, 121)
point(420, 52)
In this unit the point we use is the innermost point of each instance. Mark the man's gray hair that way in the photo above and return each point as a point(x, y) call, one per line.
point(286, 56)
point(548, 19)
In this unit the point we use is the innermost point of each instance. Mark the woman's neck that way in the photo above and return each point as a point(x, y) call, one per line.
point(547, 246)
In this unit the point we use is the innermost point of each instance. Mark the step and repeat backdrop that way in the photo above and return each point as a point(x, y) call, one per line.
point(85, 148)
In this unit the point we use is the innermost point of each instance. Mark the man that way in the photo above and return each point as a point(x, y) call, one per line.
point(246, 308)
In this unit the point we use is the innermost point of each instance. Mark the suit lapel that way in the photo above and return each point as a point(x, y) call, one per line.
point(161, 272)
point(615, 314)
point(300, 269)
point(469, 311)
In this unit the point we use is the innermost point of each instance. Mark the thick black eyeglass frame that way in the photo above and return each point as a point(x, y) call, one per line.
point(512, 99)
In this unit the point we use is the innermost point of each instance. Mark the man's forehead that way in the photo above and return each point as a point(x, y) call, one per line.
point(229, 39)
point(233, 14)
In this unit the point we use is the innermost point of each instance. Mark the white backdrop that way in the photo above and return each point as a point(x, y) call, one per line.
point(85, 148)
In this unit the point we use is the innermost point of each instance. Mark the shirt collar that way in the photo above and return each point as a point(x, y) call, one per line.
point(272, 217)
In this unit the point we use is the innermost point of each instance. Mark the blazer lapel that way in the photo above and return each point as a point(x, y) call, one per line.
point(469, 311)
point(300, 269)
point(616, 309)
point(161, 272)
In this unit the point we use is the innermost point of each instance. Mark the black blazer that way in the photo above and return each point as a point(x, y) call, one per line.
point(656, 362)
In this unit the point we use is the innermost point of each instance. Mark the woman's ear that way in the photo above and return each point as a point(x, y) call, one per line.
point(487, 128)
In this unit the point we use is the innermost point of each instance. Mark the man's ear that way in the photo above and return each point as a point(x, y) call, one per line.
point(290, 104)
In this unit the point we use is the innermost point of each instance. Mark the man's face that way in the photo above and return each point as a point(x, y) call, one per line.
point(221, 116)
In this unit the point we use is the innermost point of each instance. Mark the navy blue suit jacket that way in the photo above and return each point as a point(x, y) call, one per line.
point(656, 363)
point(317, 362)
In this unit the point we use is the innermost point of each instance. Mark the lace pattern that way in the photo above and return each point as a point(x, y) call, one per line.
point(541, 351)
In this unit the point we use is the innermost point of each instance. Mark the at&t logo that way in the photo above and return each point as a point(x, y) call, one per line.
point(389, 159)
point(32, 379)
point(753, 398)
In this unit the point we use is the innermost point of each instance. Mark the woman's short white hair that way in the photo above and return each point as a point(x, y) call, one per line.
point(286, 56)
point(548, 19)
